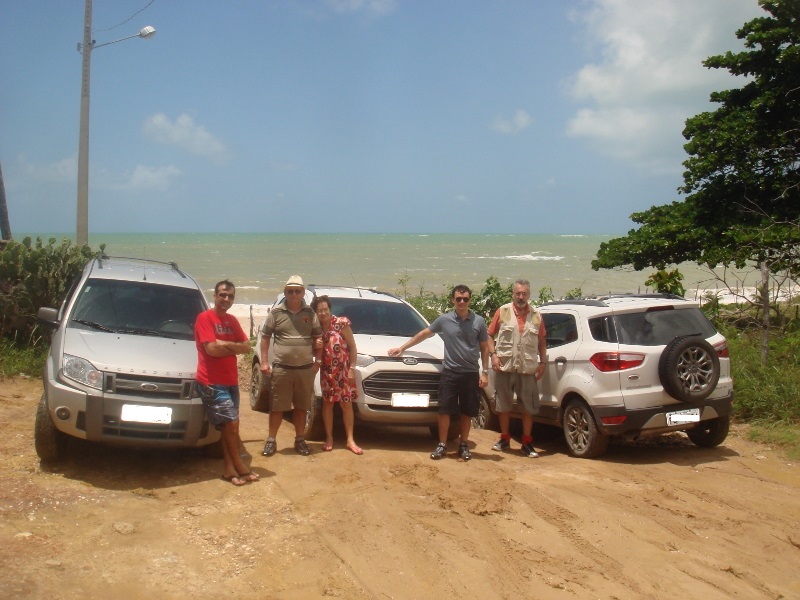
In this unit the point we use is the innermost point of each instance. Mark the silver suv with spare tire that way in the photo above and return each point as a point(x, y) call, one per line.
point(630, 366)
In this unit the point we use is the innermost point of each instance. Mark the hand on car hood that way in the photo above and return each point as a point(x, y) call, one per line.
point(116, 352)
point(378, 345)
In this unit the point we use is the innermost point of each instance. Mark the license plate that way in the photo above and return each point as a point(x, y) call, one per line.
point(691, 415)
point(146, 414)
point(411, 400)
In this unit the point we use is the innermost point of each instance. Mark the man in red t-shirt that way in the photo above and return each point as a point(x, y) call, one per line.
point(219, 338)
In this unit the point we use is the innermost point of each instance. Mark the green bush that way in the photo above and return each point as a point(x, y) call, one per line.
point(768, 394)
point(32, 276)
point(21, 361)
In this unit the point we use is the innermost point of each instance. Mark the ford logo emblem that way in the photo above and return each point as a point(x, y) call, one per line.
point(410, 361)
point(149, 387)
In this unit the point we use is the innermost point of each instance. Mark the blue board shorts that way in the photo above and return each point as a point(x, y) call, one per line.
point(221, 402)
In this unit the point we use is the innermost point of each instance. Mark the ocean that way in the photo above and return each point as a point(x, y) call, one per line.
point(260, 263)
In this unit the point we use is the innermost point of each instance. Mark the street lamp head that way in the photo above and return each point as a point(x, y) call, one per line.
point(147, 32)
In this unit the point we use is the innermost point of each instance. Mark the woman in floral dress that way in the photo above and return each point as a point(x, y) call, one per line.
point(337, 374)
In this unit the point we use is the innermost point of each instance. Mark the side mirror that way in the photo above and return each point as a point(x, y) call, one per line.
point(49, 317)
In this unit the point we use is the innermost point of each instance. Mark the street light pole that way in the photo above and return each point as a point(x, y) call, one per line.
point(82, 223)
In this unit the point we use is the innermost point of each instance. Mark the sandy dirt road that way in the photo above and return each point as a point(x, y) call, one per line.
point(649, 520)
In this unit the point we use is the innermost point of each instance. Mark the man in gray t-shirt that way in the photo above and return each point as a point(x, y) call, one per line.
point(295, 334)
point(465, 342)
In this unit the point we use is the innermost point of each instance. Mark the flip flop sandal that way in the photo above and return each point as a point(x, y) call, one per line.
point(231, 478)
point(249, 476)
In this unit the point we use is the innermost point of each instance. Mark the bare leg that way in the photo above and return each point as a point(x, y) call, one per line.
point(466, 423)
point(444, 427)
point(299, 420)
point(505, 421)
point(234, 467)
point(327, 419)
point(349, 419)
point(527, 425)
point(275, 419)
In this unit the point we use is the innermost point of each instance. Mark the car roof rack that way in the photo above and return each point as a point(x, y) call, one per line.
point(312, 287)
point(103, 256)
point(601, 299)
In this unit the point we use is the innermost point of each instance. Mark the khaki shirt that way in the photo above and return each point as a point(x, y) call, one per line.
point(292, 334)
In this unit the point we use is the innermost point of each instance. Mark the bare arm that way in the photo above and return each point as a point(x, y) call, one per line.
point(422, 335)
point(265, 366)
point(484, 379)
point(220, 348)
point(347, 333)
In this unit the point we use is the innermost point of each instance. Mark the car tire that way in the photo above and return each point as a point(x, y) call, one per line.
point(260, 389)
point(689, 368)
point(711, 433)
point(50, 443)
point(315, 427)
point(486, 419)
point(583, 437)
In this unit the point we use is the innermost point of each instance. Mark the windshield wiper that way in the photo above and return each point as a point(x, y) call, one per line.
point(136, 331)
point(93, 325)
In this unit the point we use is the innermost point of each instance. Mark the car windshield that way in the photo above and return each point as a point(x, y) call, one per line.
point(137, 308)
point(375, 317)
point(659, 327)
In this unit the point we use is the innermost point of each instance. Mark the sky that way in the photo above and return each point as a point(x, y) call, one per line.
point(396, 116)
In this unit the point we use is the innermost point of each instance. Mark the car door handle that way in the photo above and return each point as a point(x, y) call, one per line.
point(561, 361)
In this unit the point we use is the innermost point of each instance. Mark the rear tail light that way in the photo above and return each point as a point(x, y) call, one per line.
point(722, 350)
point(607, 362)
point(618, 420)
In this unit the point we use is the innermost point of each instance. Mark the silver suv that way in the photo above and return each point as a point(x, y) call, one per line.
point(122, 359)
point(630, 365)
point(391, 390)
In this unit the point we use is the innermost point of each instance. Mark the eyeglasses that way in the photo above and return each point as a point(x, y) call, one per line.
point(226, 295)
point(295, 291)
point(461, 300)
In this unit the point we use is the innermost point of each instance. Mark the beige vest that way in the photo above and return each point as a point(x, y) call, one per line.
point(518, 351)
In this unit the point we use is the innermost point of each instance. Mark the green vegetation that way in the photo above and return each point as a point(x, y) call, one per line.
point(32, 276)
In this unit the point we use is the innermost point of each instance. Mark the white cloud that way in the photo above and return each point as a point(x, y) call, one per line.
point(648, 78)
point(520, 121)
point(145, 178)
point(61, 171)
point(380, 7)
point(187, 135)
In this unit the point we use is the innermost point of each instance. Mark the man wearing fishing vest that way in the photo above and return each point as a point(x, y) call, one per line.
point(518, 353)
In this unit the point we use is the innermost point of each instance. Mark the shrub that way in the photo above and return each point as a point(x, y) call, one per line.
point(32, 276)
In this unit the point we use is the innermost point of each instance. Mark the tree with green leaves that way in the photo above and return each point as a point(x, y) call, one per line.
point(742, 182)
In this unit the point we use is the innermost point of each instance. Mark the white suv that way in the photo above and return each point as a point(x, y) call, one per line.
point(122, 360)
point(630, 365)
point(391, 390)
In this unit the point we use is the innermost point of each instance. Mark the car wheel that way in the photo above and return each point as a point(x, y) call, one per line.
point(583, 437)
point(709, 434)
point(689, 369)
point(260, 390)
point(315, 428)
point(50, 443)
point(486, 419)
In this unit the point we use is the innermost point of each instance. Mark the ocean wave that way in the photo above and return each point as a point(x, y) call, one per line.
point(533, 256)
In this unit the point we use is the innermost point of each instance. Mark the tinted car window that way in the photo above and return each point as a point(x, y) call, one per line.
point(133, 307)
point(602, 329)
point(659, 327)
point(378, 318)
point(561, 329)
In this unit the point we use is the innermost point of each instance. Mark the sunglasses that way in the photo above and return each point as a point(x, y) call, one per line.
point(225, 295)
point(288, 292)
point(461, 300)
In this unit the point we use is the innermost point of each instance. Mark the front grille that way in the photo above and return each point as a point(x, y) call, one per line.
point(144, 431)
point(385, 383)
point(142, 386)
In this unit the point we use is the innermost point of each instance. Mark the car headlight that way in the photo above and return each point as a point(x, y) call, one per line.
point(364, 360)
point(82, 371)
